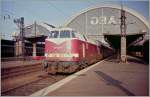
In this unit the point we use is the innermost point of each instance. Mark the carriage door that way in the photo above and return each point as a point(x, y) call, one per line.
point(83, 50)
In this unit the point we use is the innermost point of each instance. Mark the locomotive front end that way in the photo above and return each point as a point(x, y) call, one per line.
point(59, 55)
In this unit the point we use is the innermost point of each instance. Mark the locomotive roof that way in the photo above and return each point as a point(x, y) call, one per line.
point(70, 29)
point(58, 29)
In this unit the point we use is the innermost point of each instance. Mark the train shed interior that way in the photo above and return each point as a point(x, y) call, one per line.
point(114, 39)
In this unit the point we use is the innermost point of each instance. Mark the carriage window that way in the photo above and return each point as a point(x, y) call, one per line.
point(54, 34)
point(65, 34)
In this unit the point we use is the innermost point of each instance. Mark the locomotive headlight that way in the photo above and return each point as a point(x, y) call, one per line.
point(46, 54)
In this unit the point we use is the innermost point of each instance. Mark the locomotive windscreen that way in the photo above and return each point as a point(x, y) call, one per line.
point(65, 34)
point(62, 34)
point(54, 34)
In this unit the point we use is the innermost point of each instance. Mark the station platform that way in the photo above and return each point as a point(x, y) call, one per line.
point(106, 78)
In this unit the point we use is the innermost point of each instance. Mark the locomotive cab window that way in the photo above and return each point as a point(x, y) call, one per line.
point(54, 34)
point(73, 35)
point(65, 34)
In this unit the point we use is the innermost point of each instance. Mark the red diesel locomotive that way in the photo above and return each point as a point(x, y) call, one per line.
point(67, 51)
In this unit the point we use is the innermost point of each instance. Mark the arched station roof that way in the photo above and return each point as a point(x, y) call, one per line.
point(133, 12)
point(82, 21)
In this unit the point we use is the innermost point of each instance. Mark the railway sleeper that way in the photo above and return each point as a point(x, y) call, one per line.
point(18, 69)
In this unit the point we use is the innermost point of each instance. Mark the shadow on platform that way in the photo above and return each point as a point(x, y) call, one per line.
point(111, 81)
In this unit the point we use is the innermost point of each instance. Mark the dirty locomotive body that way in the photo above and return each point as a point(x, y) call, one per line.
point(67, 51)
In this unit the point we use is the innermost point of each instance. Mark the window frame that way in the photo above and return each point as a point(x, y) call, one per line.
point(66, 31)
point(53, 36)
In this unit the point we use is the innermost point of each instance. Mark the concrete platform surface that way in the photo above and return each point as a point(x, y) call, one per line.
point(108, 77)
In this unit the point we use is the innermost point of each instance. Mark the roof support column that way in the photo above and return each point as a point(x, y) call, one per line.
point(123, 36)
point(34, 49)
point(123, 49)
point(18, 48)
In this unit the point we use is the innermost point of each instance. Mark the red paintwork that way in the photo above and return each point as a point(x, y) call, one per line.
point(38, 57)
point(91, 50)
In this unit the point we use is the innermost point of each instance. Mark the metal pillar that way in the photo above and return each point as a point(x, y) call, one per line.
point(35, 28)
point(18, 50)
point(123, 36)
point(34, 49)
point(34, 42)
point(123, 49)
point(22, 36)
point(20, 43)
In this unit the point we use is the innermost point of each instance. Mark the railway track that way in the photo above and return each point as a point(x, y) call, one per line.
point(38, 82)
point(23, 81)
point(19, 70)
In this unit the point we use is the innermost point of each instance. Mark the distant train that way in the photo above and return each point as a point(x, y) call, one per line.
point(67, 51)
point(140, 51)
point(146, 51)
